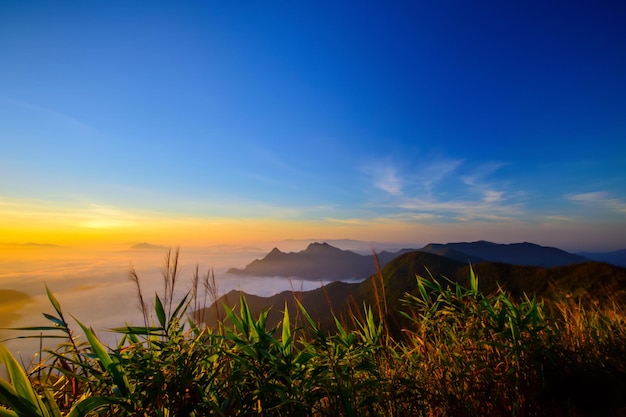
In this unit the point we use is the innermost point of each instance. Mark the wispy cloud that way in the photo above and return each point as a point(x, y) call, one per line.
point(429, 174)
point(594, 197)
point(480, 172)
point(98, 216)
point(348, 222)
point(492, 196)
point(465, 210)
point(386, 179)
point(443, 188)
point(92, 216)
point(599, 199)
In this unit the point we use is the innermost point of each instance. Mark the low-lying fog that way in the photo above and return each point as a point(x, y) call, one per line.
point(94, 286)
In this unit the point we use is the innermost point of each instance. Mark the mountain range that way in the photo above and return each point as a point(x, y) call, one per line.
point(617, 257)
point(561, 274)
point(318, 261)
point(323, 261)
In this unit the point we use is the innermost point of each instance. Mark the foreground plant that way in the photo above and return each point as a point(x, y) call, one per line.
point(462, 352)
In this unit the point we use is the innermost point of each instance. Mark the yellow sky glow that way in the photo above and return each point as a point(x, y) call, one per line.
point(101, 226)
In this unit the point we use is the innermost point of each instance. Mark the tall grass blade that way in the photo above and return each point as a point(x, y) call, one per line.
point(473, 280)
point(286, 333)
point(106, 361)
point(160, 312)
point(54, 301)
point(7, 413)
point(17, 406)
point(89, 404)
point(23, 392)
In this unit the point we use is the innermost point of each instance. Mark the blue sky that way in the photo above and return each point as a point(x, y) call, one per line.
point(410, 122)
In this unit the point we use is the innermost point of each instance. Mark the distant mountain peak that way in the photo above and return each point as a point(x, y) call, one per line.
point(525, 253)
point(321, 247)
point(317, 261)
point(314, 244)
point(146, 245)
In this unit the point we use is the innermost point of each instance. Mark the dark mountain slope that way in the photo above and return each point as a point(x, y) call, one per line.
point(617, 257)
point(399, 275)
point(318, 303)
point(447, 252)
point(595, 280)
point(317, 261)
point(514, 253)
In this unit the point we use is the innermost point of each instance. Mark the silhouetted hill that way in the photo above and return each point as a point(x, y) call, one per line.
point(617, 257)
point(594, 280)
point(317, 261)
point(399, 275)
point(147, 246)
point(447, 252)
point(514, 253)
point(319, 304)
point(597, 280)
point(11, 305)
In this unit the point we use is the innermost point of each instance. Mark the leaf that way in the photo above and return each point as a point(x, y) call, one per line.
point(21, 385)
point(473, 280)
point(138, 330)
point(160, 312)
point(89, 404)
point(286, 334)
point(105, 360)
point(4, 412)
point(182, 306)
point(17, 406)
point(54, 301)
point(50, 402)
point(316, 329)
point(422, 288)
point(33, 328)
point(57, 321)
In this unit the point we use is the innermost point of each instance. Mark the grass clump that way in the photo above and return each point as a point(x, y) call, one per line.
point(462, 352)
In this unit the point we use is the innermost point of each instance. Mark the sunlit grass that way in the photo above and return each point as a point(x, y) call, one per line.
point(461, 352)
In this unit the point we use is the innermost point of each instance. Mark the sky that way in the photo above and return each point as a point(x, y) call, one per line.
point(189, 123)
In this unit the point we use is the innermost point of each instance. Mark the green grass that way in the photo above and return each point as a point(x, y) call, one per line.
point(462, 352)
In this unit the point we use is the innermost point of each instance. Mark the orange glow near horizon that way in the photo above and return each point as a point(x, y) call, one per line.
point(98, 227)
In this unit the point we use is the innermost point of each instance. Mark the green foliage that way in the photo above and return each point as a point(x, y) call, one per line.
point(462, 352)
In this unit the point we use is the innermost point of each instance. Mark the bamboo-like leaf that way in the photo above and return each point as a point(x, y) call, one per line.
point(35, 337)
point(286, 334)
point(182, 306)
point(473, 280)
point(50, 402)
point(105, 360)
point(22, 386)
point(5, 412)
point(17, 406)
point(60, 324)
point(236, 321)
point(246, 318)
point(342, 332)
point(422, 288)
point(33, 328)
point(160, 312)
point(54, 301)
point(88, 404)
point(316, 329)
point(138, 330)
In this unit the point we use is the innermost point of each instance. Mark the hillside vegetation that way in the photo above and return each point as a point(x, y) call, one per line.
point(461, 349)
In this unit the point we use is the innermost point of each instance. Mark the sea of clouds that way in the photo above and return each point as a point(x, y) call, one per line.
point(94, 285)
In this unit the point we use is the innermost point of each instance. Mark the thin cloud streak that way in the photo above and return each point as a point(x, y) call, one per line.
point(600, 199)
point(386, 179)
point(424, 195)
